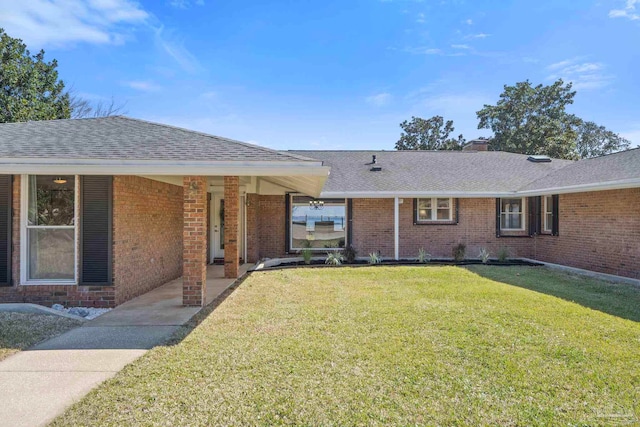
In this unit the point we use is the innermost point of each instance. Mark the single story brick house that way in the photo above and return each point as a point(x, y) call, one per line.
point(98, 211)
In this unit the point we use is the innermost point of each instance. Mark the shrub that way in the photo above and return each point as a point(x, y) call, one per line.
point(484, 255)
point(306, 255)
point(423, 256)
point(375, 258)
point(459, 251)
point(503, 254)
point(350, 253)
point(334, 258)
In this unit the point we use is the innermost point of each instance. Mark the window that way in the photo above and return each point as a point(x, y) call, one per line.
point(435, 209)
point(49, 228)
point(512, 214)
point(548, 213)
point(317, 224)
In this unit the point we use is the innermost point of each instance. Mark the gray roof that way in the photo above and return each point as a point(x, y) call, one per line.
point(624, 165)
point(431, 171)
point(123, 138)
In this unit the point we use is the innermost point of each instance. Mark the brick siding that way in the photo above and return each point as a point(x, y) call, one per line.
point(598, 231)
point(147, 235)
point(271, 226)
point(232, 226)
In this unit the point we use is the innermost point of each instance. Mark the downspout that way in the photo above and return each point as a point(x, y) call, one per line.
point(396, 227)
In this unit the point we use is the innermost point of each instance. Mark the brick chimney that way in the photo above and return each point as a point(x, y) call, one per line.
point(476, 145)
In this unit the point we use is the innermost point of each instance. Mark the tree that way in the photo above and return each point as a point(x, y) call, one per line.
point(429, 134)
point(595, 140)
point(81, 108)
point(29, 86)
point(533, 120)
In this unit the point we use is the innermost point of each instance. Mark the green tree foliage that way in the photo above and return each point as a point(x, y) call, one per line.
point(533, 120)
point(29, 86)
point(595, 140)
point(428, 134)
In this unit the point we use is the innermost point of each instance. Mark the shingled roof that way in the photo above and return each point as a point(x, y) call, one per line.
point(123, 138)
point(470, 173)
point(612, 170)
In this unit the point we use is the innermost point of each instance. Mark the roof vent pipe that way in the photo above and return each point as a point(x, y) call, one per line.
point(373, 161)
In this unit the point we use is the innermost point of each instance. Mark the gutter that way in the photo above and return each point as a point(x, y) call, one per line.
point(163, 167)
point(581, 188)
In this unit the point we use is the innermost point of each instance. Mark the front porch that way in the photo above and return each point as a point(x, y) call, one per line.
point(163, 305)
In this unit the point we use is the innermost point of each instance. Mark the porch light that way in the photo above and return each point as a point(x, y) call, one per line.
point(316, 204)
point(59, 180)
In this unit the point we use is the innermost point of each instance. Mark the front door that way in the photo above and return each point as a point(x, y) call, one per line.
point(217, 220)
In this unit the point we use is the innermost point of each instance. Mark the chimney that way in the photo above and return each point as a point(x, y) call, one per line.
point(476, 145)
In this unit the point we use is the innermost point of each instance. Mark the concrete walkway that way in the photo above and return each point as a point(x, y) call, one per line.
point(38, 384)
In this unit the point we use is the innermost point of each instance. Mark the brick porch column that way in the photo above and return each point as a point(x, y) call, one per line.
point(231, 226)
point(194, 241)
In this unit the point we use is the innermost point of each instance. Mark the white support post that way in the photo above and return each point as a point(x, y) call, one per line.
point(396, 228)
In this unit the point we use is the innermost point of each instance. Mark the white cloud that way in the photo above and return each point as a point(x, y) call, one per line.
point(421, 18)
point(460, 46)
point(423, 51)
point(61, 22)
point(379, 100)
point(142, 85)
point(628, 12)
point(174, 47)
point(478, 36)
point(469, 22)
point(185, 4)
point(583, 75)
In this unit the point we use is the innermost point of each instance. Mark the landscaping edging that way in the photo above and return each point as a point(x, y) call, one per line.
point(318, 262)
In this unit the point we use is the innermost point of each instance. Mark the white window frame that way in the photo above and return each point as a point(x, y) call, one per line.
point(434, 209)
point(24, 218)
point(290, 225)
point(548, 227)
point(522, 213)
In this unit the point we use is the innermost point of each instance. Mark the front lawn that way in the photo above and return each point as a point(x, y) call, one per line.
point(22, 330)
point(388, 345)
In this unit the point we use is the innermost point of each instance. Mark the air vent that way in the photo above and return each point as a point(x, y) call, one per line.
point(539, 159)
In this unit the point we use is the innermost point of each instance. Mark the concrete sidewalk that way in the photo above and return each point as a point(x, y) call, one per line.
point(38, 384)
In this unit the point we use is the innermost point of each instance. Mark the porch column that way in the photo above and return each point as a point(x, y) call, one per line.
point(231, 226)
point(194, 241)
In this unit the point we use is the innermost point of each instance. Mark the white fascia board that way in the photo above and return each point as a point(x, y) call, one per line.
point(583, 188)
point(411, 194)
point(163, 167)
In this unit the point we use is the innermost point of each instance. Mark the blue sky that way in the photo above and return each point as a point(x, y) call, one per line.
point(335, 74)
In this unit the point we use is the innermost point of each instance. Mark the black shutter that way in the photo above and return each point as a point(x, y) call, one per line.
point(349, 222)
point(498, 210)
point(96, 212)
point(533, 213)
point(5, 229)
point(415, 211)
point(555, 222)
point(539, 214)
point(287, 222)
point(457, 202)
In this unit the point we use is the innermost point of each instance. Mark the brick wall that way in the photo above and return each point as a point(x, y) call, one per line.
point(599, 231)
point(147, 235)
point(373, 230)
point(270, 226)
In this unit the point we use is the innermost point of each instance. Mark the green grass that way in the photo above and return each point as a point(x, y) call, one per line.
point(22, 330)
point(388, 345)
